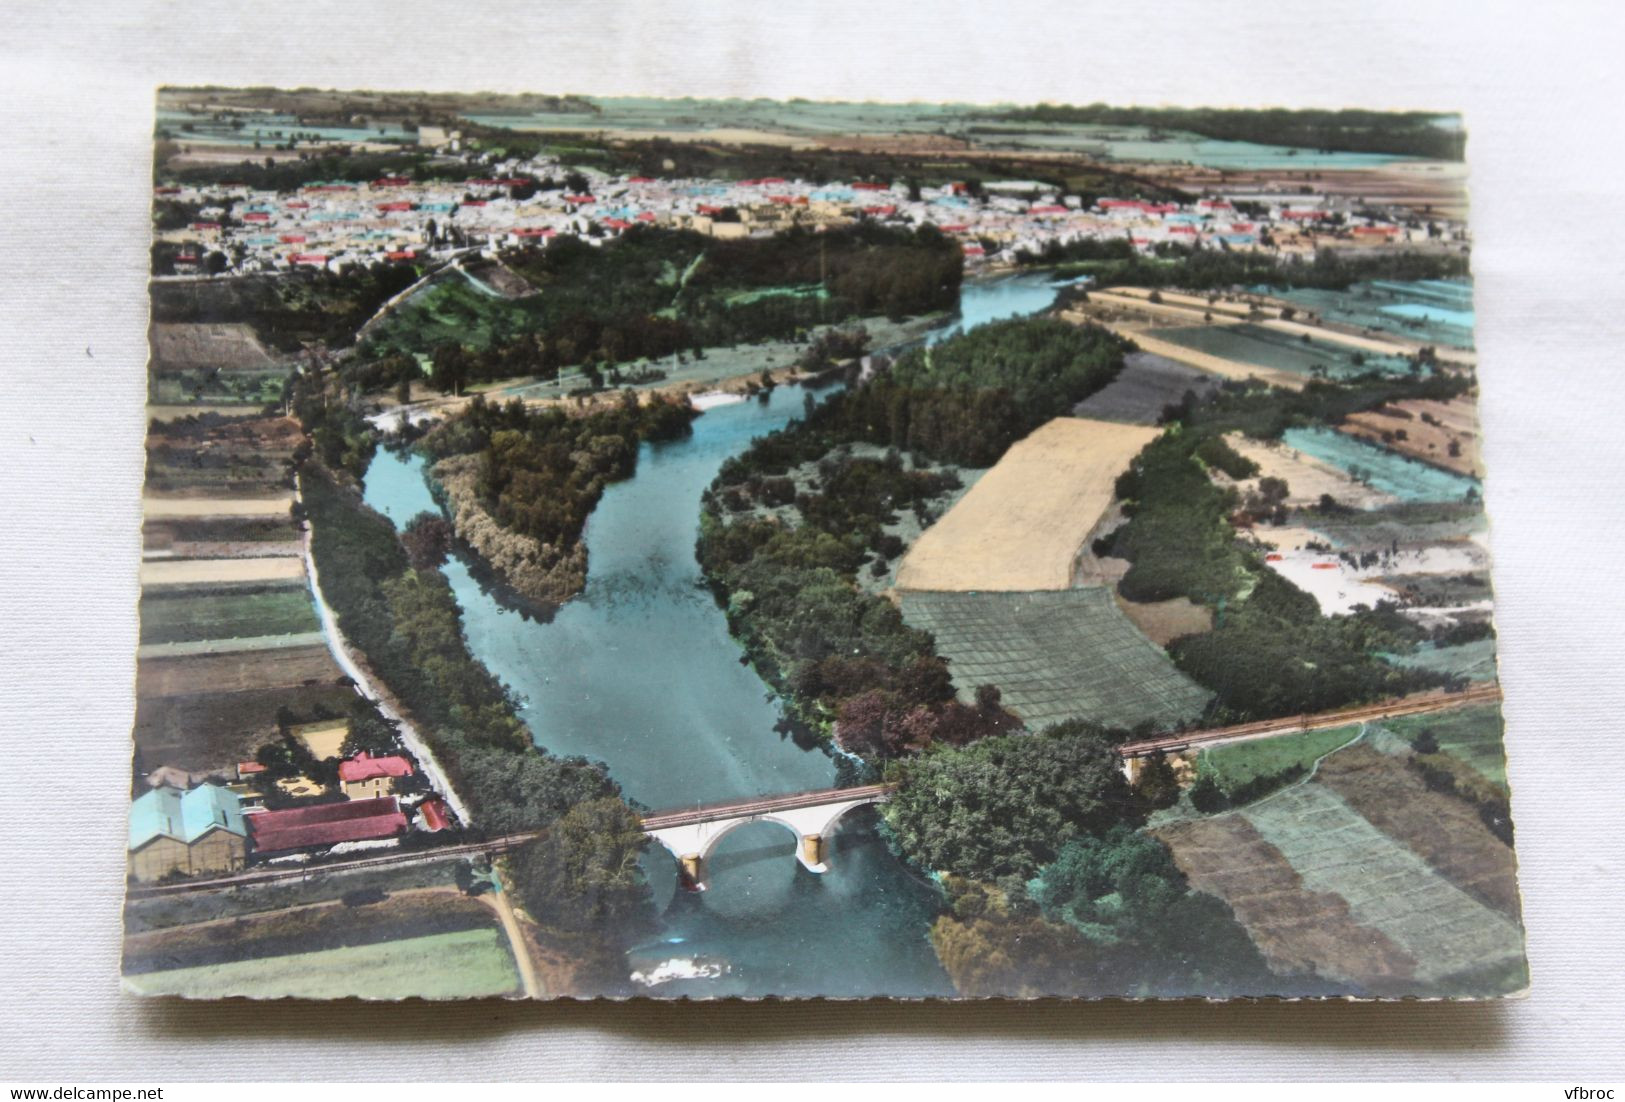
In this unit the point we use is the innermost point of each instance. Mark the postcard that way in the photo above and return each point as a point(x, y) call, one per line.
point(607, 547)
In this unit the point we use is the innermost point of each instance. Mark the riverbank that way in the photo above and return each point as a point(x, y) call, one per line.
point(355, 667)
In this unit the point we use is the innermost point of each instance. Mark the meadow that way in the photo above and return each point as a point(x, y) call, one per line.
point(190, 616)
point(464, 965)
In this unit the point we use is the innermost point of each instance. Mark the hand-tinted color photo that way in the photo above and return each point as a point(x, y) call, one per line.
point(681, 548)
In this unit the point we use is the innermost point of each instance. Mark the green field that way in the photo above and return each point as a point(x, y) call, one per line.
point(1240, 762)
point(1475, 661)
point(462, 965)
point(186, 617)
point(1254, 344)
point(1472, 735)
point(1057, 655)
point(1387, 886)
point(194, 385)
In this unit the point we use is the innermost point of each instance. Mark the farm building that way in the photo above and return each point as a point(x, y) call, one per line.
point(366, 777)
point(174, 831)
point(326, 825)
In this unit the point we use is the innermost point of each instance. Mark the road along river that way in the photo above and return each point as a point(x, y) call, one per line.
point(640, 672)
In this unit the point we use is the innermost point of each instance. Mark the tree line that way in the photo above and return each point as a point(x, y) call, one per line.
point(1403, 133)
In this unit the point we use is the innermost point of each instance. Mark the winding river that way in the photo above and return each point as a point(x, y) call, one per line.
point(640, 672)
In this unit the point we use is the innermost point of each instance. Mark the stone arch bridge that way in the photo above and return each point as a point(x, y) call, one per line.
point(691, 834)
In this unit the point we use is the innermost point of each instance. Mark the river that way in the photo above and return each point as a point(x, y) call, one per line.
point(641, 673)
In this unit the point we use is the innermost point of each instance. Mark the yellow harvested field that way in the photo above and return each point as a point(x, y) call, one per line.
point(1227, 307)
point(1021, 526)
point(1215, 365)
point(1196, 314)
point(1455, 421)
point(324, 739)
point(1306, 477)
point(162, 508)
point(188, 571)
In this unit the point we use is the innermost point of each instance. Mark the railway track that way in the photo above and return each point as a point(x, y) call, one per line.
point(1411, 705)
point(1286, 725)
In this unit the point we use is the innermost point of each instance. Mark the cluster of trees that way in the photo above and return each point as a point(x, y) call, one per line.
point(1406, 133)
point(582, 882)
point(407, 622)
point(541, 472)
point(1274, 654)
point(655, 293)
point(1199, 268)
point(1178, 538)
point(288, 311)
point(1052, 886)
point(273, 174)
point(1446, 773)
point(964, 401)
point(1271, 651)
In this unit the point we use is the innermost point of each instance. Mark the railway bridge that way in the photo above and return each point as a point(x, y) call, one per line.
point(692, 833)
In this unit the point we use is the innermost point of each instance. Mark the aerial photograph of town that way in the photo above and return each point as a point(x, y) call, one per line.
point(611, 547)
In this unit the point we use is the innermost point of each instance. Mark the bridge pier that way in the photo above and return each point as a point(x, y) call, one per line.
point(691, 872)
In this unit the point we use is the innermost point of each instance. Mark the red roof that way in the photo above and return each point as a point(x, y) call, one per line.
point(245, 767)
point(473, 202)
point(782, 200)
point(1049, 208)
point(889, 208)
point(256, 216)
point(292, 239)
point(434, 814)
point(646, 216)
point(205, 225)
point(364, 767)
point(579, 199)
point(640, 180)
point(308, 258)
point(707, 208)
point(1304, 214)
point(297, 205)
point(395, 206)
point(975, 250)
point(391, 181)
point(400, 254)
point(771, 180)
point(871, 187)
point(957, 227)
point(326, 824)
point(535, 231)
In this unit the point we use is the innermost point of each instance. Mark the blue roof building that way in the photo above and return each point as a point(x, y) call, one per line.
point(172, 831)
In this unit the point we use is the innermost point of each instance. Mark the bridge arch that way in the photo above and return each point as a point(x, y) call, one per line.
point(692, 837)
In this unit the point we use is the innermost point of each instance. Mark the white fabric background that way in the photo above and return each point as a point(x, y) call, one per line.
point(1540, 85)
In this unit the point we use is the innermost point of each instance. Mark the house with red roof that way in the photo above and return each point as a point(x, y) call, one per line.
point(365, 777)
point(323, 825)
